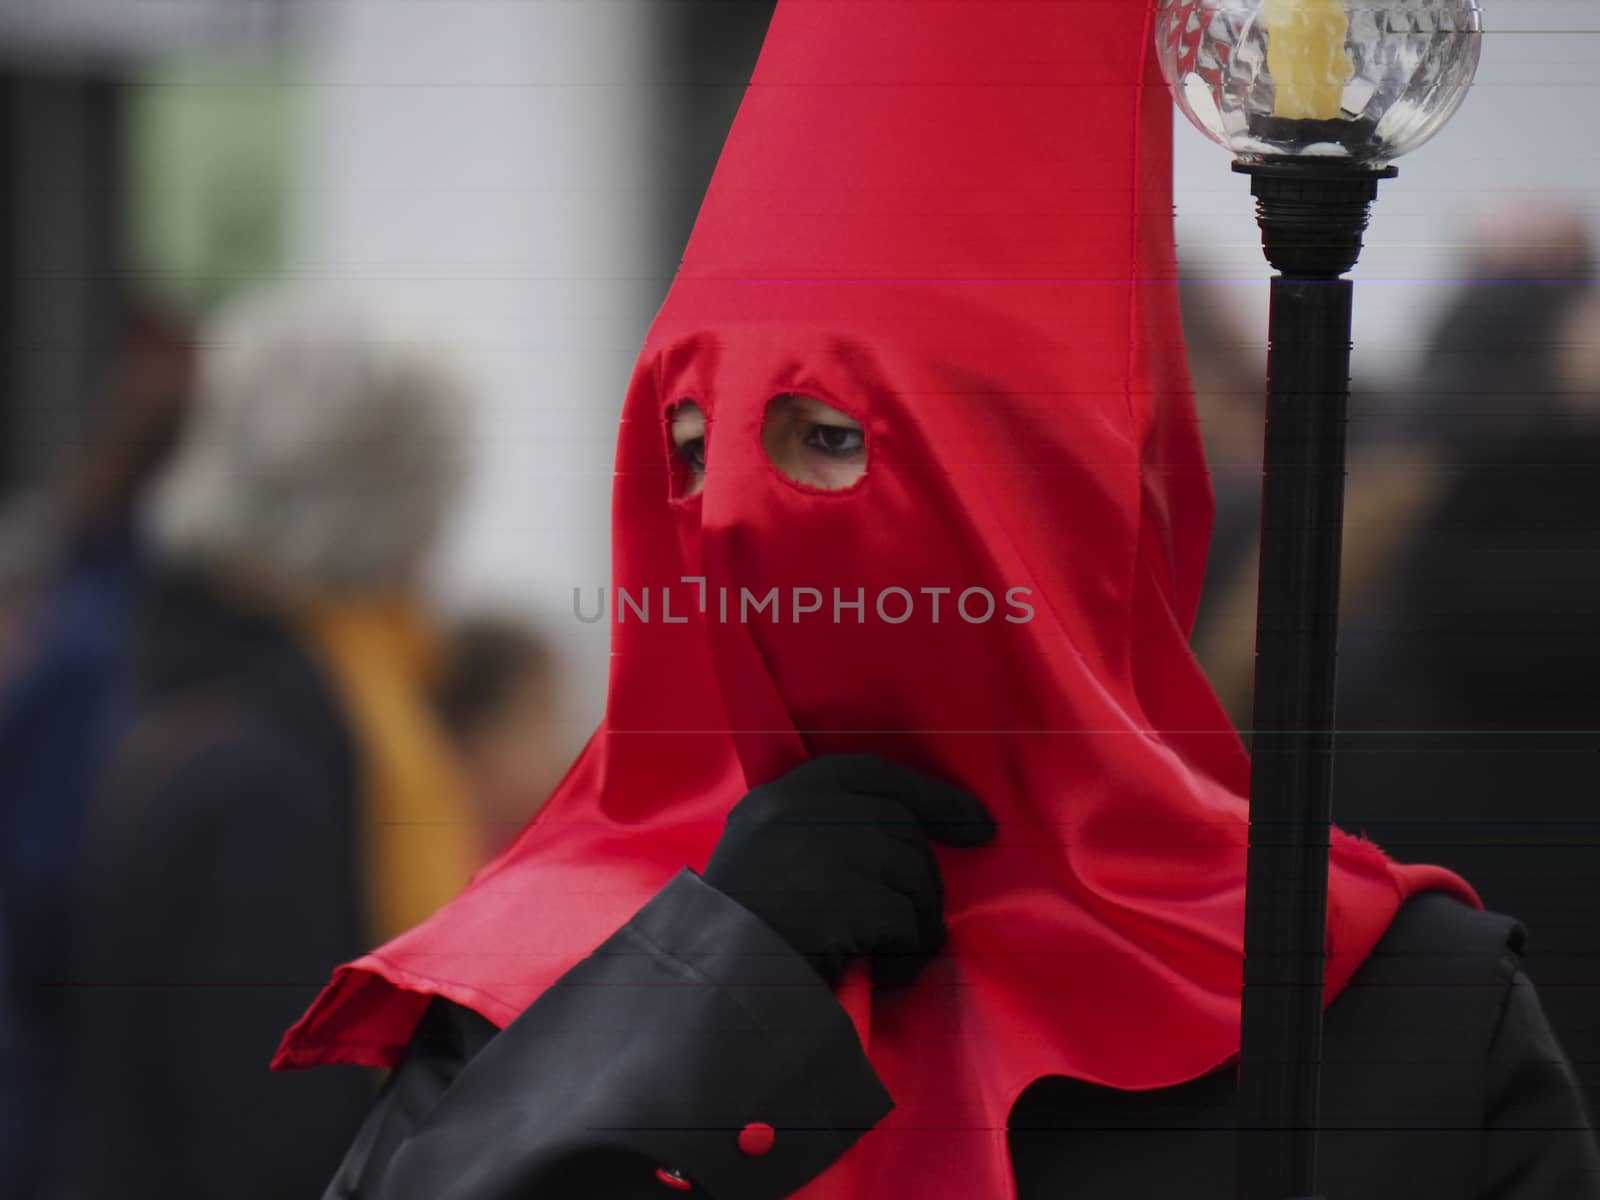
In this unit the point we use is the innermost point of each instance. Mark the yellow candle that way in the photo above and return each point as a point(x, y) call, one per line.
point(1306, 56)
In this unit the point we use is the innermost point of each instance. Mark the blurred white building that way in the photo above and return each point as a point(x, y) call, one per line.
point(489, 160)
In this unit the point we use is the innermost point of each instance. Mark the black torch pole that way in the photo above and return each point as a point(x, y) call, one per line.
point(1312, 215)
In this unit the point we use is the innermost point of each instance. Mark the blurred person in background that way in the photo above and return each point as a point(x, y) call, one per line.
point(88, 556)
point(25, 561)
point(1469, 711)
point(1488, 367)
point(1386, 482)
point(278, 794)
point(500, 698)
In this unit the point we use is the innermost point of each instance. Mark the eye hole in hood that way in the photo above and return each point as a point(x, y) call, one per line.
point(814, 444)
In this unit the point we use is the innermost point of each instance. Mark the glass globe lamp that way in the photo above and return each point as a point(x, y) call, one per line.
point(1360, 80)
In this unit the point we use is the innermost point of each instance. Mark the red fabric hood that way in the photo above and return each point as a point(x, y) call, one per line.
point(953, 221)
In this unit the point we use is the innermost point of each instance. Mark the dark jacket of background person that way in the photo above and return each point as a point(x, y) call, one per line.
point(52, 727)
point(695, 1025)
point(229, 796)
point(1470, 694)
point(1471, 709)
point(54, 710)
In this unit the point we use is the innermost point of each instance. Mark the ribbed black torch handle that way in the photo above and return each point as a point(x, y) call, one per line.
point(1312, 217)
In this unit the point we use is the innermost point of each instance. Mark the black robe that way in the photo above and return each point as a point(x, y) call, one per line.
point(694, 1021)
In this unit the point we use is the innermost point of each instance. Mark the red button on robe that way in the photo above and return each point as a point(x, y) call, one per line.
point(757, 1138)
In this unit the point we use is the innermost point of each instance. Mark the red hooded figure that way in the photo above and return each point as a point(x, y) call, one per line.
point(950, 222)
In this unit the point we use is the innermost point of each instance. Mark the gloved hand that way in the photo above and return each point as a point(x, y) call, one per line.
point(835, 856)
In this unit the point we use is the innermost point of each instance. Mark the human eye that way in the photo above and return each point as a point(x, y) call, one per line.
point(687, 429)
point(692, 453)
point(814, 443)
point(835, 441)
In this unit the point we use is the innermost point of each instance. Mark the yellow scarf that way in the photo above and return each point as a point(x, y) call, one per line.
point(416, 831)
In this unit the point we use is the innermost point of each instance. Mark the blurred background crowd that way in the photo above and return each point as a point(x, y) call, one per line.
point(316, 321)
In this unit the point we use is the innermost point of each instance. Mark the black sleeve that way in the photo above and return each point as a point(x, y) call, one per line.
point(1537, 1141)
point(691, 1023)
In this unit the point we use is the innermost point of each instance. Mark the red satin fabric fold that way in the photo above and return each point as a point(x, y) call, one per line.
point(953, 221)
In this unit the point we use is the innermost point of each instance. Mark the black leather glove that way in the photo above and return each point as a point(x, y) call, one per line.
point(835, 856)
